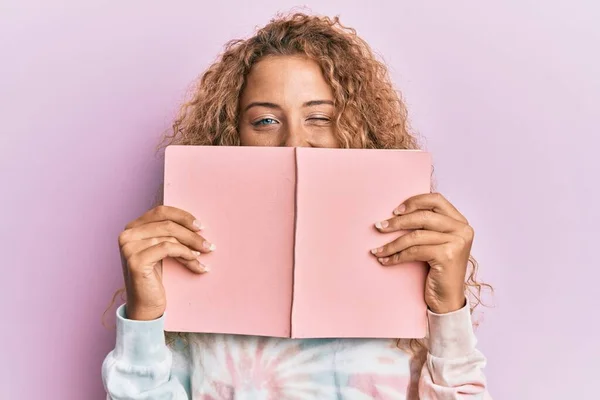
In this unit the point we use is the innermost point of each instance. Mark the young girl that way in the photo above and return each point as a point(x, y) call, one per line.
point(300, 81)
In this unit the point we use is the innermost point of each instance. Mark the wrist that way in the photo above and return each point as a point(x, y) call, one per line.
point(446, 307)
point(140, 314)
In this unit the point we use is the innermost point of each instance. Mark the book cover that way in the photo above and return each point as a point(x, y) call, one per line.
point(293, 229)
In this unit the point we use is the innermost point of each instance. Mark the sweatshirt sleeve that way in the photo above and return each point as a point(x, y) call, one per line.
point(141, 365)
point(454, 367)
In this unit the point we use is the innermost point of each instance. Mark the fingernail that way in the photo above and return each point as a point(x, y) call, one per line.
point(377, 250)
point(382, 225)
point(198, 224)
point(204, 268)
point(196, 253)
point(401, 208)
point(209, 246)
point(383, 260)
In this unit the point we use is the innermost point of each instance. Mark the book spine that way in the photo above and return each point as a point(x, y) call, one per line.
point(292, 335)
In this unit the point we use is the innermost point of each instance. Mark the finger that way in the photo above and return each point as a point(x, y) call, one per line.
point(414, 238)
point(430, 201)
point(136, 246)
point(132, 248)
point(166, 213)
point(423, 219)
point(193, 265)
point(425, 253)
point(167, 228)
point(144, 261)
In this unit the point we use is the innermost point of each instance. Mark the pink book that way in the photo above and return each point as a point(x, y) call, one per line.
point(293, 229)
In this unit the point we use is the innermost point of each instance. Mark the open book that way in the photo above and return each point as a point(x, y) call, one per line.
point(293, 229)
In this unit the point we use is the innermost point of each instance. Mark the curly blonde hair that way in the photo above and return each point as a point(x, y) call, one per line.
point(370, 113)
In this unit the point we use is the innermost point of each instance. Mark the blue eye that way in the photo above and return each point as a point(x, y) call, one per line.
point(265, 121)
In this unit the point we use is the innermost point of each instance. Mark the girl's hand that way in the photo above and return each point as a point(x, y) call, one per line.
point(159, 233)
point(442, 237)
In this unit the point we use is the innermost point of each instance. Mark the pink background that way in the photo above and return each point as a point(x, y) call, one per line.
point(507, 95)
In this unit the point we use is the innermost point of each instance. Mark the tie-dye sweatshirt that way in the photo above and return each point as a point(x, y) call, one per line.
point(223, 367)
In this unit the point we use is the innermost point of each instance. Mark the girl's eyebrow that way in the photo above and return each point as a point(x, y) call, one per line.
point(267, 104)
